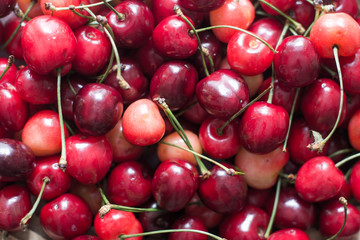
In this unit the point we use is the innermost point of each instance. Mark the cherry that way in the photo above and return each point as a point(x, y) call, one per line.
point(142, 123)
point(346, 6)
point(283, 6)
point(274, 121)
point(43, 33)
point(352, 106)
point(129, 184)
point(93, 50)
point(10, 75)
point(354, 181)
point(303, 12)
point(258, 197)
point(195, 114)
point(261, 170)
point(172, 39)
point(318, 179)
point(173, 185)
point(202, 5)
point(292, 210)
point(188, 222)
point(234, 13)
point(349, 70)
point(15, 204)
point(35, 11)
point(89, 157)
point(47, 140)
point(6, 7)
point(134, 27)
point(320, 104)
point(86, 237)
point(16, 159)
point(250, 223)
point(289, 233)
point(222, 192)
point(14, 46)
point(59, 181)
point(222, 93)
point(97, 108)
point(297, 62)
point(116, 222)
point(35, 88)
point(268, 28)
point(67, 216)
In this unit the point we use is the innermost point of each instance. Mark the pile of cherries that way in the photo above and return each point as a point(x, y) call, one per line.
point(180, 119)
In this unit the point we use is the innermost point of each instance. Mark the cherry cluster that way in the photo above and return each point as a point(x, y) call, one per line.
point(180, 119)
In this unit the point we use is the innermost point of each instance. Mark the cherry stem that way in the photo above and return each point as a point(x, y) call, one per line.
point(80, 7)
point(27, 217)
point(340, 152)
point(178, 12)
point(72, 8)
point(62, 161)
point(121, 16)
point(344, 202)
point(220, 130)
point(69, 128)
point(331, 72)
point(239, 29)
point(179, 129)
point(275, 206)
point(289, 177)
point(347, 159)
point(124, 236)
point(11, 61)
point(227, 170)
point(298, 27)
point(291, 117)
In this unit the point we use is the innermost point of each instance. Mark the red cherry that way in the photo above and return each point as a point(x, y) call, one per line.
point(10, 75)
point(268, 28)
point(188, 222)
point(89, 193)
point(303, 12)
point(14, 46)
point(283, 5)
point(289, 233)
point(350, 72)
point(86, 237)
point(355, 180)
point(201, 5)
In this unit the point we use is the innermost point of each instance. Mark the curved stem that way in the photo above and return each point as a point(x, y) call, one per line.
point(342, 151)
point(239, 29)
point(11, 61)
point(62, 161)
point(343, 201)
point(345, 160)
point(27, 217)
point(291, 118)
point(275, 206)
point(121, 16)
point(81, 6)
point(124, 236)
point(79, 14)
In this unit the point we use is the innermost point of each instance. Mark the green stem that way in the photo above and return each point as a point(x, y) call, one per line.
point(106, 73)
point(227, 170)
point(121, 16)
point(124, 236)
point(298, 27)
point(62, 161)
point(344, 203)
point(103, 196)
point(345, 160)
point(11, 61)
point(79, 14)
point(291, 117)
point(331, 72)
point(239, 29)
point(69, 128)
point(27, 217)
point(340, 152)
point(82, 6)
point(275, 206)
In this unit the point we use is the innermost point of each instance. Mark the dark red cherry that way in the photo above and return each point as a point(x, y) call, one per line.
point(65, 217)
point(93, 50)
point(14, 46)
point(43, 33)
point(345, 6)
point(303, 12)
point(196, 114)
point(89, 193)
point(268, 28)
point(283, 5)
point(6, 7)
point(250, 223)
point(10, 75)
point(222, 93)
point(129, 184)
point(15, 203)
point(201, 5)
point(318, 179)
point(350, 72)
point(320, 104)
point(86, 237)
point(175, 81)
point(289, 233)
point(89, 158)
point(188, 222)
point(258, 197)
point(355, 180)
point(97, 108)
point(35, 88)
point(16, 159)
point(274, 121)
point(222, 192)
point(172, 39)
point(297, 62)
point(59, 181)
point(136, 26)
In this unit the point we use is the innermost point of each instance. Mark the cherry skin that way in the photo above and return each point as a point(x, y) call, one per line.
point(289, 233)
point(47, 140)
point(275, 121)
point(6, 7)
point(354, 130)
point(142, 123)
point(43, 33)
point(350, 71)
point(250, 223)
point(67, 216)
point(244, 52)
point(86, 237)
point(10, 75)
point(93, 50)
point(196, 114)
point(188, 222)
point(15, 203)
point(258, 197)
point(222, 192)
point(267, 28)
point(88, 157)
point(354, 181)
point(222, 93)
point(136, 27)
point(283, 5)
point(202, 5)
point(129, 184)
point(35, 11)
point(346, 6)
point(172, 39)
point(175, 81)
point(234, 13)
point(336, 29)
point(14, 46)
point(303, 12)
point(173, 185)
point(297, 62)
point(59, 181)
point(97, 109)
point(318, 179)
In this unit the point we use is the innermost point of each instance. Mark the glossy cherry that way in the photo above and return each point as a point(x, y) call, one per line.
point(202, 5)
point(354, 181)
point(14, 46)
point(196, 114)
point(258, 197)
point(303, 12)
point(188, 222)
point(67, 216)
point(289, 233)
point(350, 71)
point(267, 28)
point(89, 193)
point(86, 237)
point(283, 5)
point(10, 75)
point(346, 6)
